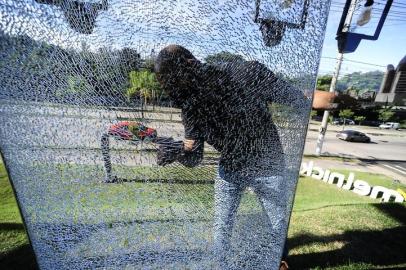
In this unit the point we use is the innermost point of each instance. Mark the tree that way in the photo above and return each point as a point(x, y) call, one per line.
point(143, 84)
point(353, 91)
point(362, 81)
point(347, 113)
point(323, 82)
point(107, 71)
point(47, 72)
point(356, 82)
point(403, 124)
point(344, 114)
point(385, 114)
point(223, 57)
point(346, 102)
point(313, 113)
point(359, 119)
point(129, 59)
point(149, 63)
point(330, 119)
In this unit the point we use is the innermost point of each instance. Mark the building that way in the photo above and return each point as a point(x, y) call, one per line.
point(393, 87)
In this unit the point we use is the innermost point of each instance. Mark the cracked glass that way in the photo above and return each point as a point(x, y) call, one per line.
point(157, 134)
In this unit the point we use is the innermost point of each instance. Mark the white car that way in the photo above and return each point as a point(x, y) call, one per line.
point(389, 125)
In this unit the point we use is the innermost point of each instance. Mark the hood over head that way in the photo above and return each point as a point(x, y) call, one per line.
point(177, 71)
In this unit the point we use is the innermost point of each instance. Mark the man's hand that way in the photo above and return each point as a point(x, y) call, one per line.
point(189, 152)
point(189, 144)
point(169, 151)
point(323, 100)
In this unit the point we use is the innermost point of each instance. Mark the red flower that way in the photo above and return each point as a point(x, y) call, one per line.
point(126, 130)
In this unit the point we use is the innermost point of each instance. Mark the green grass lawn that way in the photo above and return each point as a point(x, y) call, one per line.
point(330, 228)
point(15, 251)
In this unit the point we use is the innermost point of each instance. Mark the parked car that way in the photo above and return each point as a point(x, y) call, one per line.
point(389, 125)
point(353, 136)
point(340, 121)
point(317, 118)
point(349, 122)
point(371, 123)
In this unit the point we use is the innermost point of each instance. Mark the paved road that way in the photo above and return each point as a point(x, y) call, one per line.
point(386, 154)
point(398, 167)
point(382, 147)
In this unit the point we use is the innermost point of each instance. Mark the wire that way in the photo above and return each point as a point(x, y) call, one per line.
point(390, 18)
point(392, 11)
point(354, 61)
point(396, 4)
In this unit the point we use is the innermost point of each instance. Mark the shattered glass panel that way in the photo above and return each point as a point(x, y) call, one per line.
point(286, 10)
point(157, 134)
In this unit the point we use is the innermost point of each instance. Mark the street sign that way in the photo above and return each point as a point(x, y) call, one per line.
point(348, 40)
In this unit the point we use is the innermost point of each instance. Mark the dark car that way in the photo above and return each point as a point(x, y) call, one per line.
point(340, 121)
point(353, 136)
point(370, 123)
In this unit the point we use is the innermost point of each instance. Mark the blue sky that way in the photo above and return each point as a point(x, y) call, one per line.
point(390, 48)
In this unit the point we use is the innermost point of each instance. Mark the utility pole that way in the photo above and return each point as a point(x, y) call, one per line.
point(323, 127)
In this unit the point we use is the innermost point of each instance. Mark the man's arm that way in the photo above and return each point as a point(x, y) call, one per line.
point(192, 154)
point(188, 152)
point(279, 91)
point(271, 88)
point(323, 100)
point(193, 144)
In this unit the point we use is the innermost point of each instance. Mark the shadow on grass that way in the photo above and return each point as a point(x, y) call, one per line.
point(19, 258)
point(11, 226)
point(396, 211)
point(380, 247)
point(385, 247)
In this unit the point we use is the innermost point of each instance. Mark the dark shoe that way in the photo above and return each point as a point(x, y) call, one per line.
point(113, 179)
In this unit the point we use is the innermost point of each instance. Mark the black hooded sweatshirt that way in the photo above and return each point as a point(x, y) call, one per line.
point(226, 105)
